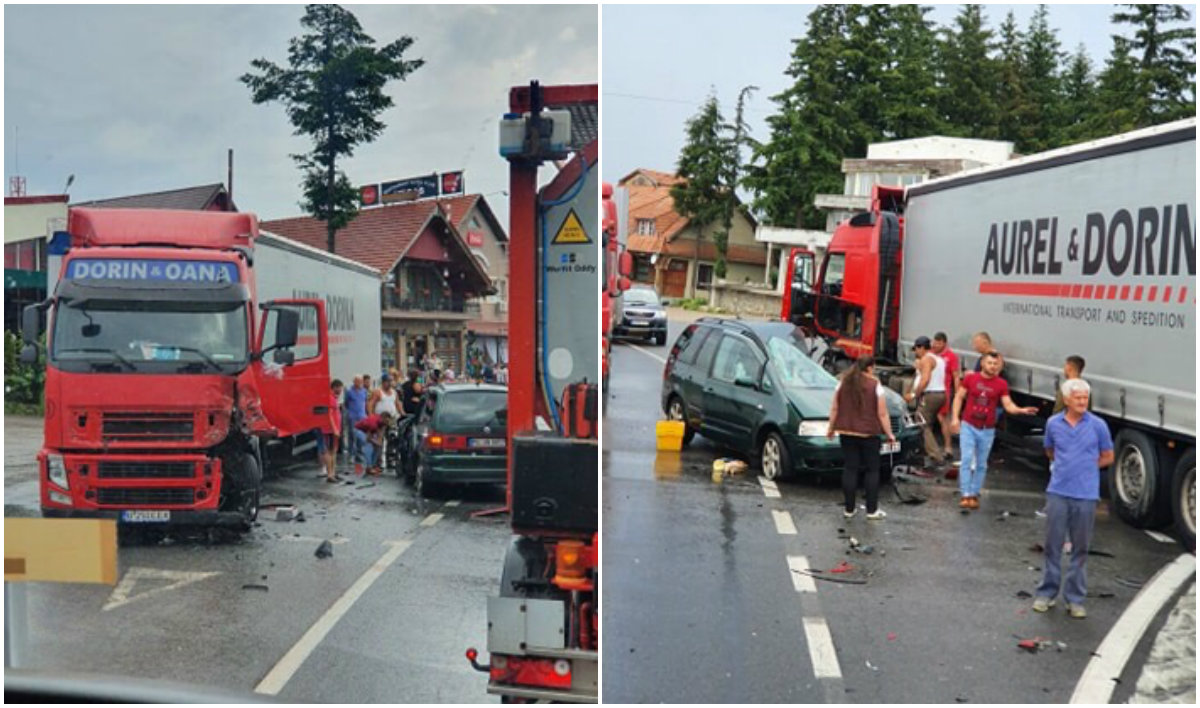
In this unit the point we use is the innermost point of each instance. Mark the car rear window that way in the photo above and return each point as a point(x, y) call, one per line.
point(690, 342)
point(469, 409)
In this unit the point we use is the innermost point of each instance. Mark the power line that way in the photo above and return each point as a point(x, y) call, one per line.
point(663, 99)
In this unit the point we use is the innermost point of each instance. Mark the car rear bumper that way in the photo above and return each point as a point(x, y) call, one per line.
point(819, 455)
point(445, 468)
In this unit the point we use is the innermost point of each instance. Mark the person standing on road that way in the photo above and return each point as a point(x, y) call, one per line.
point(327, 442)
point(370, 433)
point(859, 416)
point(929, 390)
point(976, 424)
point(356, 410)
point(941, 347)
point(410, 394)
point(1078, 445)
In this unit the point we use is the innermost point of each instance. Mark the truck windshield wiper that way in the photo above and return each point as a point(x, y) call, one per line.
point(208, 359)
point(96, 350)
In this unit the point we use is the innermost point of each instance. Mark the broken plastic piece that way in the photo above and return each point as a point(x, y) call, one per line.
point(842, 567)
point(891, 636)
point(325, 550)
point(1024, 594)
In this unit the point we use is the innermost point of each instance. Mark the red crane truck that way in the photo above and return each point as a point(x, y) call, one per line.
point(618, 264)
point(543, 628)
point(1086, 250)
point(159, 387)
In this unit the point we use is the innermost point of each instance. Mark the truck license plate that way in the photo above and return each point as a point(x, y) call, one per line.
point(889, 448)
point(144, 517)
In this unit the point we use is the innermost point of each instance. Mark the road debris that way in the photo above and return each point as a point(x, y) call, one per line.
point(325, 550)
point(300, 518)
point(1129, 583)
point(821, 576)
point(255, 586)
point(871, 666)
point(891, 636)
point(283, 512)
point(1024, 594)
point(1102, 554)
point(842, 567)
point(365, 486)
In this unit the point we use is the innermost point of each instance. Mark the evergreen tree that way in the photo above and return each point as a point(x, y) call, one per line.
point(333, 93)
point(812, 129)
point(969, 105)
point(1078, 99)
point(1121, 102)
point(910, 94)
point(1041, 57)
point(1166, 60)
point(1011, 98)
point(704, 165)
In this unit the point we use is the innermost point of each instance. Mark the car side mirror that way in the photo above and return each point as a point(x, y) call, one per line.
point(745, 382)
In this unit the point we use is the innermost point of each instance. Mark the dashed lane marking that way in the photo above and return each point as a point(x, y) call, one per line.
point(820, 648)
point(647, 353)
point(454, 502)
point(769, 488)
point(802, 582)
point(123, 593)
point(1108, 661)
point(783, 523)
point(432, 519)
point(291, 662)
point(1160, 537)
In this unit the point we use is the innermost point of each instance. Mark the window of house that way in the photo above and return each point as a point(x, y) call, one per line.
point(642, 270)
point(645, 227)
point(704, 276)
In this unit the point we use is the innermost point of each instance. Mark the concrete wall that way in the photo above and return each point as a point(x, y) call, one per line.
point(26, 221)
point(747, 300)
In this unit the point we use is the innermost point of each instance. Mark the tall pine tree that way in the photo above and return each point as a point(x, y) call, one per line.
point(1041, 55)
point(1166, 60)
point(969, 104)
point(1078, 99)
point(1012, 100)
point(910, 94)
point(705, 166)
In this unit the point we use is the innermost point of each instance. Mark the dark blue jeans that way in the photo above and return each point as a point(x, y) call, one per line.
point(1071, 519)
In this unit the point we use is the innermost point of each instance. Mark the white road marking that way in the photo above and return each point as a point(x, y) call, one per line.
point(820, 648)
point(454, 502)
point(432, 519)
point(1160, 537)
point(1099, 678)
point(291, 662)
point(336, 540)
point(122, 593)
point(769, 488)
point(647, 353)
point(783, 523)
point(802, 582)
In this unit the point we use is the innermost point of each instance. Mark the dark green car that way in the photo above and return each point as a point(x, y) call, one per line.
point(459, 437)
point(751, 386)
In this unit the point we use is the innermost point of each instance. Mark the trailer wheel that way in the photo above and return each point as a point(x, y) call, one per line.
point(1139, 482)
point(675, 411)
point(1183, 499)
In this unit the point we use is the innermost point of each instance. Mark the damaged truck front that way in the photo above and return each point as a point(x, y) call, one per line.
point(162, 378)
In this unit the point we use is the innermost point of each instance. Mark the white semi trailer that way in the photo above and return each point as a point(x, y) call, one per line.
point(1088, 250)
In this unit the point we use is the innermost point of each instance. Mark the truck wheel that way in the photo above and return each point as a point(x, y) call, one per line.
point(675, 412)
point(1183, 499)
point(1139, 483)
point(776, 460)
point(250, 497)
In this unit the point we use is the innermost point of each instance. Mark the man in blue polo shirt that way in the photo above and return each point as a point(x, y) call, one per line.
point(1078, 444)
point(356, 410)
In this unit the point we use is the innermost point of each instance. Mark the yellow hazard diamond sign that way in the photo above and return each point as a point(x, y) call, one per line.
point(571, 231)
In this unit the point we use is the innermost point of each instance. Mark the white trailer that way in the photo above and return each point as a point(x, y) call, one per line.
point(1088, 250)
point(287, 269)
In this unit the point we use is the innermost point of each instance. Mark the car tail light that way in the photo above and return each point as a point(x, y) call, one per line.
point(441, 441)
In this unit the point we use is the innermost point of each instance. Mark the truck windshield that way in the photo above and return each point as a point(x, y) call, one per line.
point(151, 335)
point(794, 368)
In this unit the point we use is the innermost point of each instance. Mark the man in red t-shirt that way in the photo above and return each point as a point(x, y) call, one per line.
point(976, 424)
point(369, 432)
point(953, 382)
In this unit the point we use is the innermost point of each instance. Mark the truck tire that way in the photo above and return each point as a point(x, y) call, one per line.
point(1183, 499)
point(776, 461)
point(250, 497)
point(675, 411)
point(1139, 482)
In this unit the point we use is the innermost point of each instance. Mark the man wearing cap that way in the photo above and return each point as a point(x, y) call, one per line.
point(929, 390)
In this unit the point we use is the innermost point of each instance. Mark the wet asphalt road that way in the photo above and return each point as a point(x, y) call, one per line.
point(700, 603)
point(401, 641)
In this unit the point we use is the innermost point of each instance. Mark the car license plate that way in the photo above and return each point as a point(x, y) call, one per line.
point(889, 448)
point(487, 442)
point(144, 517)
point(639, 323)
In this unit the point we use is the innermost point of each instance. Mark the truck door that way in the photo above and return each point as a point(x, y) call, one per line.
point(798, 302)
point(295, 393)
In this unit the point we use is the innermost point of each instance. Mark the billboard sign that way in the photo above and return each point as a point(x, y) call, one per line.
point(368, 195)
point(407, 190)
point(452, 183)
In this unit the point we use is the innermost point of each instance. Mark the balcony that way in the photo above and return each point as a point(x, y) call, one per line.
point(393, 300)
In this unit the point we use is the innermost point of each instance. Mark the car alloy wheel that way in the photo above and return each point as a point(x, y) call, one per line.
point(772, 461)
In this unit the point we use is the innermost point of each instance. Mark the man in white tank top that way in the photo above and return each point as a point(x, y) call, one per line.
point(929, 390)
point(384, 400)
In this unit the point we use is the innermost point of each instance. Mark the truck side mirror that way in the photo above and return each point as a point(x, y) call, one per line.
point(623, 284)
point(31, 323)
point(287, 328)
point(284, 357)
point(625, 263)
point(29, 354)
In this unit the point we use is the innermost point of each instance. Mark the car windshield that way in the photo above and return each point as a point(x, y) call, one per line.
point(641, 296)
point(794, 368)
point(138, 332)
point(457, 410)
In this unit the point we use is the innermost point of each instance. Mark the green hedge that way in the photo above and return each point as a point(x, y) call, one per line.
point(23, 383)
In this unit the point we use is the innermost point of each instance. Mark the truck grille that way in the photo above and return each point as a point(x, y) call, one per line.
point(147, 470)
point(148, 427)
point(155, 497)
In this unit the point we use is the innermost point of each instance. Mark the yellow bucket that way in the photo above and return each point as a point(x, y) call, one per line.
point(669, 434)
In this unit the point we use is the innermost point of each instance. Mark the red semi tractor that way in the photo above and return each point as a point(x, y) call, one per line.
point(162, 376)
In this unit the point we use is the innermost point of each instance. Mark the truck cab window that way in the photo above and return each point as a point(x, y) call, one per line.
point(307, 344)
point(834, 313)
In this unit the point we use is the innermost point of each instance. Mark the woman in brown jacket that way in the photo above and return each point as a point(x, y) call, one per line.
point(859, 416)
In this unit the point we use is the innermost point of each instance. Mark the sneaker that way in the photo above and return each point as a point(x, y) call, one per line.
point(974, 502)
point(964, 503)
point(1043, 603)
point(849, 514)
point(1076, 611)
point(877, 515)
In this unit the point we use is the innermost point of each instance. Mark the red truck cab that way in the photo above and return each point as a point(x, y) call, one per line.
point(158, 391)
point(854, 302)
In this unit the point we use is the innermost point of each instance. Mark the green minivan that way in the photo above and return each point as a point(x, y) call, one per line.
point(751, 387)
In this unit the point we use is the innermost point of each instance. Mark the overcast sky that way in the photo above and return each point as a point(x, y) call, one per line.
point(146, 98)
point(660, 63)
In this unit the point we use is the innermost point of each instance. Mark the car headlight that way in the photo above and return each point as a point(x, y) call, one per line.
point(56, 471)
point(813, 428)
point(660, 315)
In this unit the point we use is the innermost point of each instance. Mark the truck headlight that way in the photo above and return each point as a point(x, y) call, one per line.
point(813, 428)
point(56, 471)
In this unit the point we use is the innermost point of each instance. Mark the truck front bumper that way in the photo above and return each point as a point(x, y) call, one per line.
point(230, 519)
